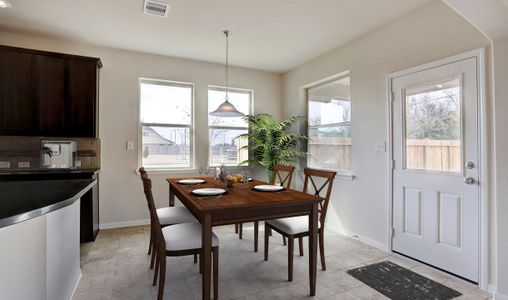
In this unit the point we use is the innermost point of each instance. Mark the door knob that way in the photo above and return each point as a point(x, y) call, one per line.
point(469, 180)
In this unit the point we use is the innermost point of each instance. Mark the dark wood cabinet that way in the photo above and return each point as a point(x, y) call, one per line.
point(89, 203)
point(15, 92)
point(48, 94)
point(81, 98)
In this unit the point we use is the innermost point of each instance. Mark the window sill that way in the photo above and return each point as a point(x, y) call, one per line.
point(159, 171)
point(345, 176)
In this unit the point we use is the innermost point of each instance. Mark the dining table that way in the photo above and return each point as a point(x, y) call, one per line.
point(243, 203)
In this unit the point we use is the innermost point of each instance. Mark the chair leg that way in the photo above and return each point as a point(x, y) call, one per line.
point(154, 254)
point(151, 242)
point(291, 248)
point(322, 249)
point(157, 267)
point(236, 228)
point(300, 245)
point(215, 273)
point(162, 276)
point(256, 233)
point(240, 229)
point(267, 239)
point(201, 263)
point(195, 258)
point(284, 240)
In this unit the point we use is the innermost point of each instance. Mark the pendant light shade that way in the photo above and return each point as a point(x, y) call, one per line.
point(226, 109)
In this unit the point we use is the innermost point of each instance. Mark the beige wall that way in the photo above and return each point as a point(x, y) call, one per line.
point(121, 196)
point(433, 32)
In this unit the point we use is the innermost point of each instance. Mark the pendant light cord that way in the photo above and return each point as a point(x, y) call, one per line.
point(226, 32)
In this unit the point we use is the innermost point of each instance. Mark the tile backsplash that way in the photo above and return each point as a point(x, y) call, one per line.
point(16, 149)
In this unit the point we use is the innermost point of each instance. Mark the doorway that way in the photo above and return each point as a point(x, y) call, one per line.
point(437, 165)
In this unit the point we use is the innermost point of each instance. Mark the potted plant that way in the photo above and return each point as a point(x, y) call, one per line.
point(271, 142)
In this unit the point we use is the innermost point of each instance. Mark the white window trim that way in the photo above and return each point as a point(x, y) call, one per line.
point(210, 127)
point(341, 174)
point(165, 169)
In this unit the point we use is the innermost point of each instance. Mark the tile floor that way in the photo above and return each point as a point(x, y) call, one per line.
point(116, 265)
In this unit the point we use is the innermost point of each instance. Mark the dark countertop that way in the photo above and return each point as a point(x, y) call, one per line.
point(24, 200)
point(45, 171)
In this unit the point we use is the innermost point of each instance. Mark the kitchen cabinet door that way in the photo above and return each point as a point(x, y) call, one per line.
point(15, 92)
point(49, 96)
point(81, 98)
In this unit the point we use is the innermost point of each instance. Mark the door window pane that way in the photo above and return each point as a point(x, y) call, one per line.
point(433, 127)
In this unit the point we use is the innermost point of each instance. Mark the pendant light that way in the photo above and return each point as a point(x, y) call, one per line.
point(226, 109)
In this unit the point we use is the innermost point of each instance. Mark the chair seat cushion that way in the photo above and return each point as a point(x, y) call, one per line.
point(185, 236)
point(292, 225)
point(174, 215)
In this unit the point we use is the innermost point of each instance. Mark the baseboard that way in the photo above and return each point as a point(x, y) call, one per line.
point(368, 241)
point(499, 296)
point(76, 286)
point(124, 224)
point(492, 288)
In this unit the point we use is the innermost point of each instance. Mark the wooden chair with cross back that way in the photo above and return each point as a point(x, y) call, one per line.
point(298, 227)
point(283, 176)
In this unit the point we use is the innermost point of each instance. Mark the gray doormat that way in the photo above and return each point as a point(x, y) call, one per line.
point(398, 283)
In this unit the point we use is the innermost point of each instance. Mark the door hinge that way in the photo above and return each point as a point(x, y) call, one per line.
point(392, 96)
point(393, 164)
point(392, 233)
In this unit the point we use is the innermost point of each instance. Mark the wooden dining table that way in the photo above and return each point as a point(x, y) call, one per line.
point(242, 203)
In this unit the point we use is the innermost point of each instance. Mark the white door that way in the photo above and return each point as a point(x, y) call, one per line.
point(435, 176)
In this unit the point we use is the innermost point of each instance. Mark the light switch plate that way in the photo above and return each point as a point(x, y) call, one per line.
point(23, 164)
point(380, 147)
point(130, 145)
point(5, 164)
point(77, 163)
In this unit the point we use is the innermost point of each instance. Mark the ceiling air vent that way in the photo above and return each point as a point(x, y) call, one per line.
point(156, 8)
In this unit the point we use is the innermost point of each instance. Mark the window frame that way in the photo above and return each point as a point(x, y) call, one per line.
point(342, 174)
point(250, 92)
point(163, 168)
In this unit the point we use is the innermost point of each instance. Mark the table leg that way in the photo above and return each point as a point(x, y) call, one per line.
point(171, 196)
point(206, 242)
point(313, 226)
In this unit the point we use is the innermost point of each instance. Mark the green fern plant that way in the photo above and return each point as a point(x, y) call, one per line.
point(271, 142)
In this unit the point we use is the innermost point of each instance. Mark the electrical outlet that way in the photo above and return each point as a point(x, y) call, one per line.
point(381, 147)
point(130, 145)
point(78, 163)
point(5, 164)
point(23, 164)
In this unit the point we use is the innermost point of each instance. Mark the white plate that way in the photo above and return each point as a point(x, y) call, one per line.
point(191, 181)
point(269, 188)
point(208, 192)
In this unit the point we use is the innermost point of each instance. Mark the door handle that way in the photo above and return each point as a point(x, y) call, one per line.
point(469, 180)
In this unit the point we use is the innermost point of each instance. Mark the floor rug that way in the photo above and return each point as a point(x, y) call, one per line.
point(398, 283)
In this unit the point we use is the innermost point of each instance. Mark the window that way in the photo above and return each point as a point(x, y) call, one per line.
point(329, 126)
point(224, 146)
point(166, 124)
point(433, 127)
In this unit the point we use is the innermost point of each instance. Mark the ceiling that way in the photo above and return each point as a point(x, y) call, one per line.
point(272, 35)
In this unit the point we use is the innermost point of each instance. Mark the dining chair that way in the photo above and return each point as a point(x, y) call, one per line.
point(167, 216)
point(298, 227)
point(282, 175)
point(176, 240)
